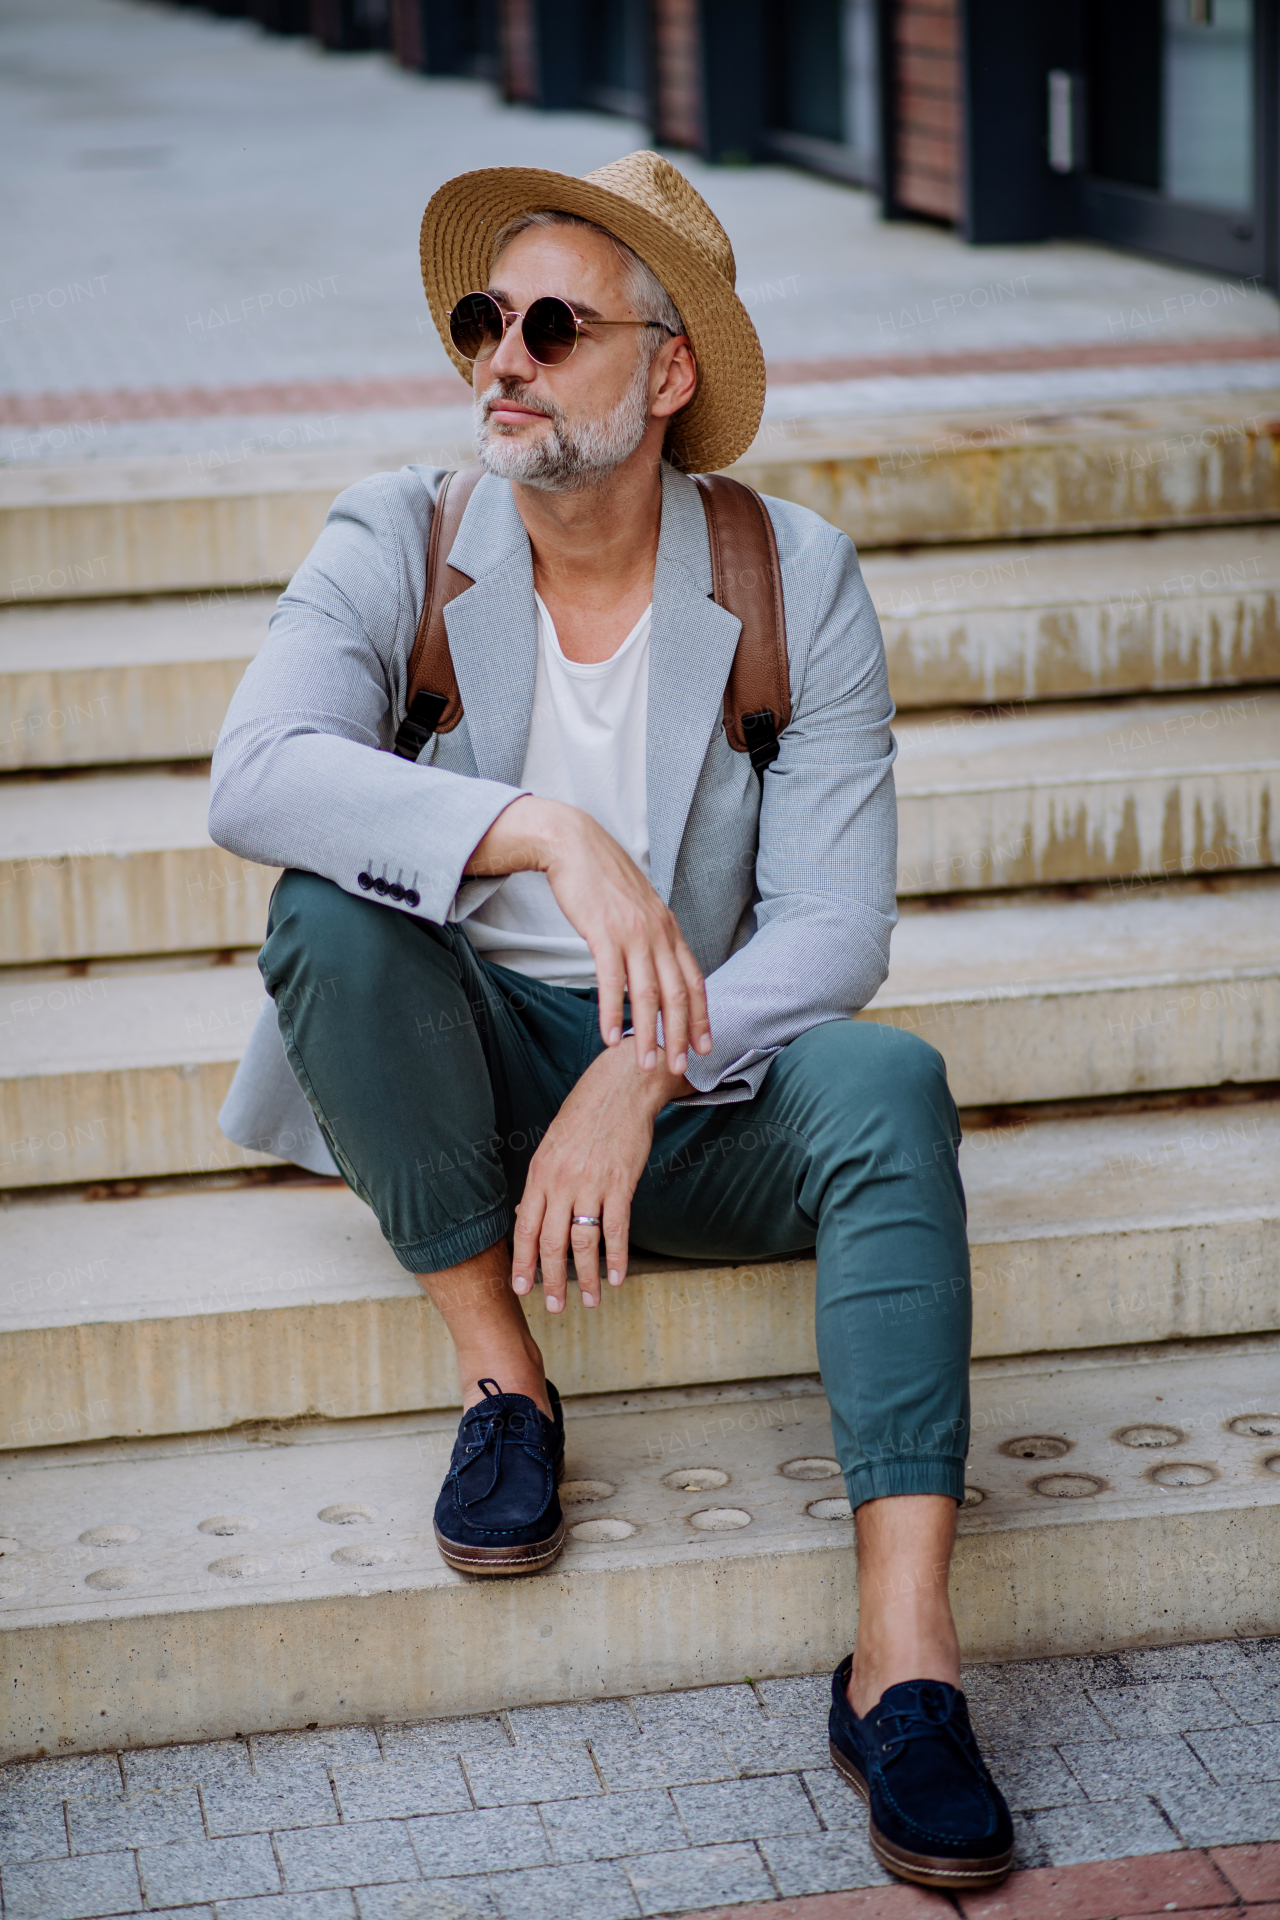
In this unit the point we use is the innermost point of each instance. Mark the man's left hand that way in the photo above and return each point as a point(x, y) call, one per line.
point(589, 1162)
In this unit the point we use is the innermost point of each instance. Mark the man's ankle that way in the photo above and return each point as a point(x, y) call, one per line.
point(531, 1381)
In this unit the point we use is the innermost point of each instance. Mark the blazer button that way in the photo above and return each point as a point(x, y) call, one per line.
point(381, 886)
point(363, 880)
point(412, 898)
point(396, 890)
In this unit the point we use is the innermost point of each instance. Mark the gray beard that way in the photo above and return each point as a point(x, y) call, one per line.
point(570, 458)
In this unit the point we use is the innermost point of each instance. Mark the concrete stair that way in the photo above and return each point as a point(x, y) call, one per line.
point(1089, 912)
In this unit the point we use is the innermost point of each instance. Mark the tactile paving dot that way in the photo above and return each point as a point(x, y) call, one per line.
point(366, 1556)
point(11, 1588)
point(1182, 1473)
point(1035, 1446)
point(829, 1509)
point(576, 1493)
point(227, 1523)
point(1068, 1486)
point(239, 1566)
point(719, 1519)
point(346, 1513)
point(1272, 1463)
point(109, 1536)
point(603, 1529)
point(1255, 1426)
point(973, 1497)
point(1150, 1436)
point(809, 1467)
point(113, 1579)
point(695, 1479)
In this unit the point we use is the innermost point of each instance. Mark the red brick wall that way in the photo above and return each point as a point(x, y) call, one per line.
point(677, 74)
point(926, 54)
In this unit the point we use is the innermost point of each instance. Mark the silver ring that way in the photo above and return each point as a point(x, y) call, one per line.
point(586, 1220)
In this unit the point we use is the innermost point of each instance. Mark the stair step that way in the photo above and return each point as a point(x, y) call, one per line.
point(1059, 619)
point(203, 1309)
point(117, 864)
point(1078, 1540)
point(123, 680)
point(162, 525)
point(1093, 790)
point(116, 1075)
point(1127, 989)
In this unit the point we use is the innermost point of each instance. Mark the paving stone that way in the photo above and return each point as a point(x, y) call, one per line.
point(36, 1832)
point(1254, 1872)
point(595, 1890)
point(1253, 1693)
point(1108, 1770)
point(1001, 1723)
point(838, 1805)
point(1031, 1777)
point(663, 1760)
point(1110, 1830)
point(355, 1856)
point(1163, 1706)
point(213, 1760)
point(587, 1720)
point(1148, 1884)
point(135, 1820)
point(698, 1877)
point(468, 1899)
point(1206, 1658)
point(618, 1824)
point(1241, 1755)
point(779, 1746)
point(1029, 1850)
point(429, 1739)
point(395, 1789)
point(257, 1805)
point(807, 1693)
point(823, 1862)
point(530, 1773)
point(337, 1904)
point(286, 1753)
point(1019, 1682)
point(195, 1870)
point(720, 1709)
point(1223, 1816)
point(499, 1838)
point(72, 1889)
point(745, 1809)
point(32, 1783)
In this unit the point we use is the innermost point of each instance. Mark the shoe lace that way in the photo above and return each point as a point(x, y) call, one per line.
point(485, 1428)
point(934, 1710)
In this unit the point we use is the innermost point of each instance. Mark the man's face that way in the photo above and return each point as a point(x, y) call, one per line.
point(562, 428)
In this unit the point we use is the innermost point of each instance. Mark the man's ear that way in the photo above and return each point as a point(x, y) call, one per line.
point(679, 378)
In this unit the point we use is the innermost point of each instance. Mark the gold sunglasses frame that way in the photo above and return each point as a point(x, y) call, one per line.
point(511, 317)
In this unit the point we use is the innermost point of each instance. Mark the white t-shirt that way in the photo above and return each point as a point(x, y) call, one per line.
point(587, 742)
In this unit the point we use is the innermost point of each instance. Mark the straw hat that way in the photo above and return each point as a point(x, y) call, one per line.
point(647, 203)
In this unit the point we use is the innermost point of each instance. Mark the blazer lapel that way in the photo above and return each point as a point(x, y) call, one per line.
point(493, 631)
point(691, 648)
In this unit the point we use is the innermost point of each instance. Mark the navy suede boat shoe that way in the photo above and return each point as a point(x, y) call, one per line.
point(498, 1511)
point(937, 1816)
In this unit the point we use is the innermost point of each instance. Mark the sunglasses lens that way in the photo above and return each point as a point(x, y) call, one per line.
point(475, 326)
point(550, 331)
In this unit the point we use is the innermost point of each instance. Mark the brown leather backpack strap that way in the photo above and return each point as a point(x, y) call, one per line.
point(746, 580)
point(433, 703)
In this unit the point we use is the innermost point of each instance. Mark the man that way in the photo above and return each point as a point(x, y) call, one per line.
point(582, 957)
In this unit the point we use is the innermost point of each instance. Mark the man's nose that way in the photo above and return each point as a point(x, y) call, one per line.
point(513, 361)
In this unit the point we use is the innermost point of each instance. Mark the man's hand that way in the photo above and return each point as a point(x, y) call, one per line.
point(589, 1161)
point(634, 939)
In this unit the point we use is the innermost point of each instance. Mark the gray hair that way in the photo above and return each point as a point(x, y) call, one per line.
point(645, 292)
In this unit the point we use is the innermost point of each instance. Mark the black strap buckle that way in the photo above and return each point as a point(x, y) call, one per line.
point(419, 724)
point(760, 731)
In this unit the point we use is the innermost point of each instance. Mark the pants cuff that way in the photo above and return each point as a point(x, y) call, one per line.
point(460, 1243)
point(888, 1477)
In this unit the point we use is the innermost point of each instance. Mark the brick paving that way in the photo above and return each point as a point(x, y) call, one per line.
point(1121, 1771)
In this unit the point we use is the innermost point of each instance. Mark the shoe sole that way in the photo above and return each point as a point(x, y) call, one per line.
point(923, 1869)
point(501, 1563)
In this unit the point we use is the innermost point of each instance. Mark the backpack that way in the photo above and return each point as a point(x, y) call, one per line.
point(746, 582)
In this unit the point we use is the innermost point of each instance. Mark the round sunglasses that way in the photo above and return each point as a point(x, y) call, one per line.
point(549, 328)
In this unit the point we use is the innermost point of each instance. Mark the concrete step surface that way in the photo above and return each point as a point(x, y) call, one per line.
point(1095, 790)
point(1060, 619)
point(1115, 1501)
point(191, 1307)
point(162, 525)
point(114, 1073)
point(96, 683)
point(114, 864)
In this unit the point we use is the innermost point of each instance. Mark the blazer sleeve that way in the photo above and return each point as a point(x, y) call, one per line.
point(297, 778)
point(827, 854)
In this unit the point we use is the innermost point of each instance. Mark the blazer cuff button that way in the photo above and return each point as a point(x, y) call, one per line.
point(412, 898)
point(364, 880)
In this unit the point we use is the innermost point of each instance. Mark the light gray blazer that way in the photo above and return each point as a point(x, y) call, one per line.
point(784, 888)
